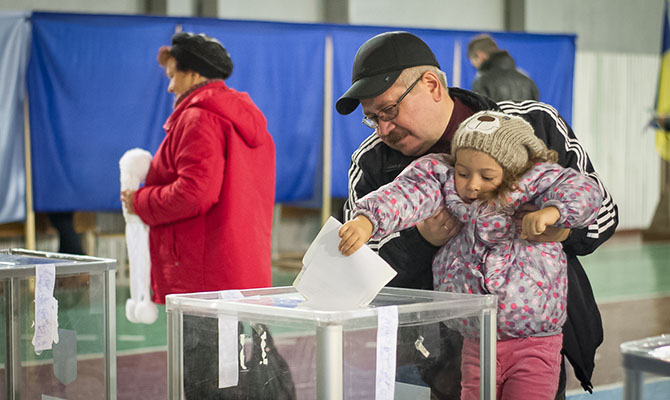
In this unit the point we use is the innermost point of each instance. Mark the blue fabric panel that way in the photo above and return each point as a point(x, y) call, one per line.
point(548, 59)
point(348, 131)
point(95, 91)
point(15, 39)
point(281, 66)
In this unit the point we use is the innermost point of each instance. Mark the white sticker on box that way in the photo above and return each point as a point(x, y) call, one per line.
point(228, 361)
point(228, 339)
point(387, 337)
point(46, 308)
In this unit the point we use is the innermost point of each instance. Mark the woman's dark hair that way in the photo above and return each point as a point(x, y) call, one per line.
point(201, 54)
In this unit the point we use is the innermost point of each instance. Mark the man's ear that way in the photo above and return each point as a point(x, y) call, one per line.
point(432, 82)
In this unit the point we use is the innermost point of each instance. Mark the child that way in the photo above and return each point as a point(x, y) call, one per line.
point(498, 165)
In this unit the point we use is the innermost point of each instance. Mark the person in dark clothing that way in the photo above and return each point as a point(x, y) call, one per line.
point(69, 241)
point(498, 77)
point(405, 99)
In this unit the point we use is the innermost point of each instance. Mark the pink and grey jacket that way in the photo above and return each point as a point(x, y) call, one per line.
point(488, 256)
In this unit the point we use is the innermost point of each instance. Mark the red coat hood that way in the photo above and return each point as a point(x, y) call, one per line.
point(236, 107)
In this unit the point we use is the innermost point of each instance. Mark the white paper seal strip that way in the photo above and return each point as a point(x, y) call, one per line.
point(387, 337)
point(228, 354)
point(46, 308)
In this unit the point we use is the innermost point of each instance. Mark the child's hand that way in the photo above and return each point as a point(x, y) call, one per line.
point(536, 222)
point(354, 234)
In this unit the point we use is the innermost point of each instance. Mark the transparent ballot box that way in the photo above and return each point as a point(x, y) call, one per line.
point(270, 344)
point(650, 355)
point(82, 364)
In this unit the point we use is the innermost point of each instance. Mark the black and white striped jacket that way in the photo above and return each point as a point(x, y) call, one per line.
point(374, 164)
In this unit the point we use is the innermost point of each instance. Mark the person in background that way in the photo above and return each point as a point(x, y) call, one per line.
point(69, 241)
point(498, 165)
point(406, 102)
point(661, 121)
point(497, 75)
point(208, 196)
point(213, 173)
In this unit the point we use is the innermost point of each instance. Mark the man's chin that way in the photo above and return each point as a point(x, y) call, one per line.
point(405, 148)
point(410, 151)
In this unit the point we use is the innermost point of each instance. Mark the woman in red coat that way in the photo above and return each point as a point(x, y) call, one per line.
point(209, 194)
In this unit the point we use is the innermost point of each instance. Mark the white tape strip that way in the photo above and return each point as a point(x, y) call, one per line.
point(228, 368)
point(228, 354)
point(387, 337)
point(46, 308)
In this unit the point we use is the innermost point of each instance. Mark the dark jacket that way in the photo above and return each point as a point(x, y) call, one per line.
point(499, 79)
point(375, 164)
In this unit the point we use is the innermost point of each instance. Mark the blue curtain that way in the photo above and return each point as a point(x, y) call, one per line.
point(15, 37)
point(96, 90)
point(281, 67)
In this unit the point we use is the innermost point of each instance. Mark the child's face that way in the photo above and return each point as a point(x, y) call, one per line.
point(476, 173)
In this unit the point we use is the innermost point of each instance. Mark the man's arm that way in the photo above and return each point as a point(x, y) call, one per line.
point(557, 134)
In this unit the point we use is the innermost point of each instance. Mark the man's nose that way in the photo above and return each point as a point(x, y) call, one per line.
point(384, 127)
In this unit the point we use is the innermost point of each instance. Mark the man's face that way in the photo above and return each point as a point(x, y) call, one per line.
point(412, 132)
point(476, 61)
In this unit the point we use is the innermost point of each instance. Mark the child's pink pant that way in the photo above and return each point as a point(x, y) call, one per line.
point(526, 368)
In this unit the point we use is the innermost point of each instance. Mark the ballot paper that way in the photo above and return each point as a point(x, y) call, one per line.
point(331, 281)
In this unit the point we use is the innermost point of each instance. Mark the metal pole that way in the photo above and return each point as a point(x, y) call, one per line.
point(457, 65)
point(30, 213)
point(13, 362)
point(487, 355)
point(8, 345)
point(110, 332)
point(327, 130)
point(632, 387)
point(329, 362)
point(175, 356)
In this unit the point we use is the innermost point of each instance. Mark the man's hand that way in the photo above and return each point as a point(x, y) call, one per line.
point(439, 228)
point(551, 233)
point(127, 200)
point(354, 234)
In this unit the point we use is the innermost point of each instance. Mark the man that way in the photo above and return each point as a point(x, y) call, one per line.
point(497, 77)
point(405, 99)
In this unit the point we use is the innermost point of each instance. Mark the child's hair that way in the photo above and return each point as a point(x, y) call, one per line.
point(509, 140)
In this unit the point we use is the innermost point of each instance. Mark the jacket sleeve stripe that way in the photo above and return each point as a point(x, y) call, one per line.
point(355, 175)
point(355, 172)
point(607, 215)
point(571, 144)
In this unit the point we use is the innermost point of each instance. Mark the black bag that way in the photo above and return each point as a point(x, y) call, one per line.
point(268, 376)
point(264, 376)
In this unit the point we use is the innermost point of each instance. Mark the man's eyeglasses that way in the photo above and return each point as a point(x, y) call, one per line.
point(389, 112)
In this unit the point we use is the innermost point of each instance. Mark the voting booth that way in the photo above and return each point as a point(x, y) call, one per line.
point(58, 333)
point(269, 342)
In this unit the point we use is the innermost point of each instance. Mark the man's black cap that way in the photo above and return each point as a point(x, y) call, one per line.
point(379, 62)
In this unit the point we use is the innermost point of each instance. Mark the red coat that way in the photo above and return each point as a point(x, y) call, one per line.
point(209, 196)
